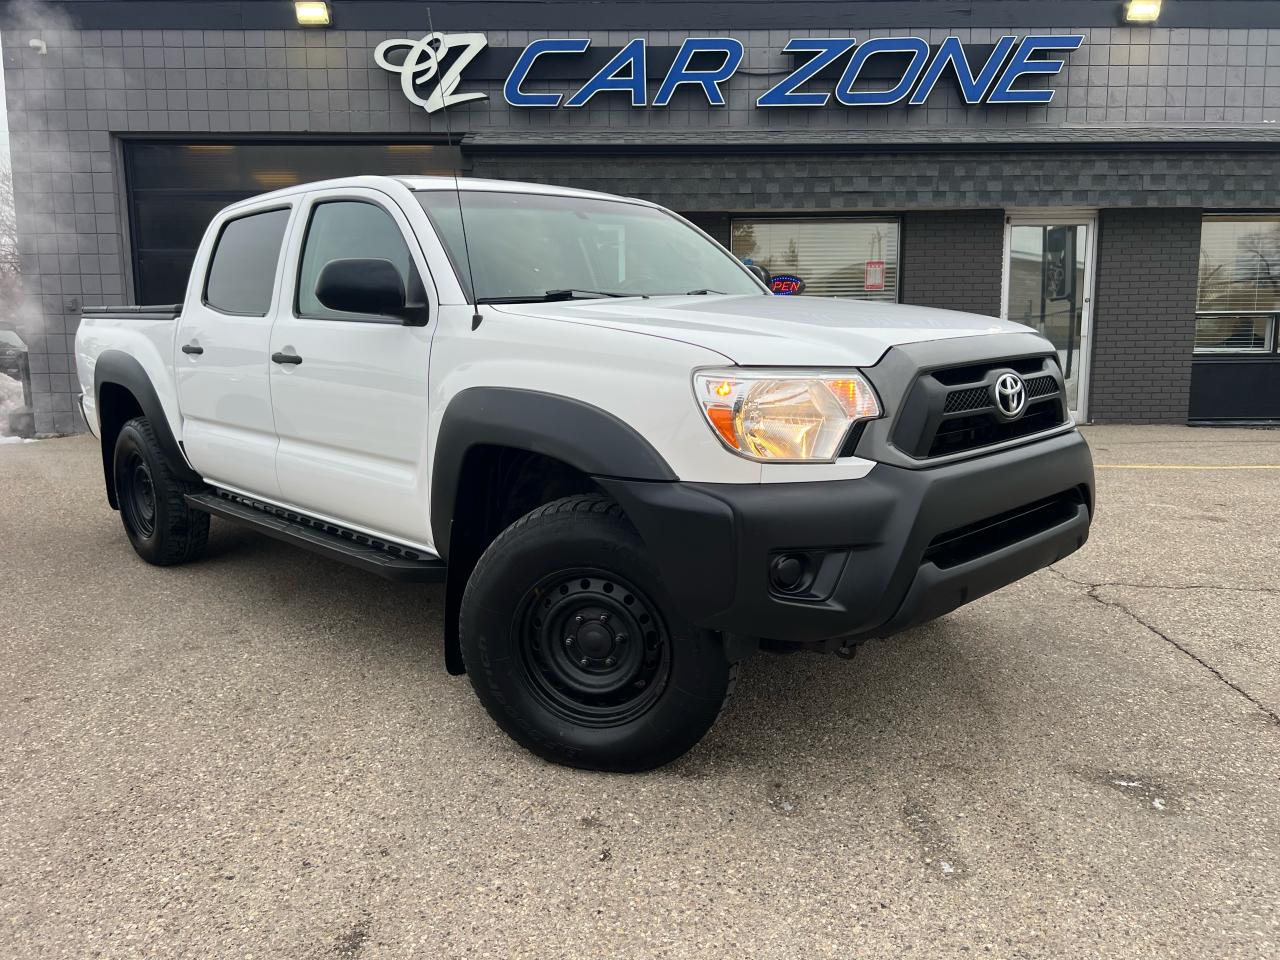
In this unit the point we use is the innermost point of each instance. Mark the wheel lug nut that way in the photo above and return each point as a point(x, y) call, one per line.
point(577, 619)
point(609, 661)
point(584, 663)
point(620, 638)
point(568, 641)
point(604, 618)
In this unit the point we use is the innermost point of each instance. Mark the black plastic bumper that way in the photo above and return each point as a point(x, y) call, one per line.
point(899, 546)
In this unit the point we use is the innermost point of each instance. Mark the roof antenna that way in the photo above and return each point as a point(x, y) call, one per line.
point(476, 317)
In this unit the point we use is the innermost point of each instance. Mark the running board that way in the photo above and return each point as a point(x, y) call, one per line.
point(378, 556)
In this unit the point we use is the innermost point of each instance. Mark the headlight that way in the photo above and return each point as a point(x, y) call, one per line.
point(784, 414)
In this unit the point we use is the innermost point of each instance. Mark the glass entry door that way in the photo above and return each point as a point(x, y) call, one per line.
point(1048, 285)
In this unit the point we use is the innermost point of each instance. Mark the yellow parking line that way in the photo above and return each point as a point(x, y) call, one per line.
point(1187, 466)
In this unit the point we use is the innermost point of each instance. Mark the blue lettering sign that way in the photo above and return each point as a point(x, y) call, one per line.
point(709, 80)
point(919, 51)
point(951, 54)
point(520, 72)
point(1021, 66)
point(784, 94)
point(629, 57)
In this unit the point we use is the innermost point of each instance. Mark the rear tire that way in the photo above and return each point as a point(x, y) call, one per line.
point(162, 528)
point(573, 648)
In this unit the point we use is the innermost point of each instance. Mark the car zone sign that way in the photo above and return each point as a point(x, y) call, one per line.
point(879, 72)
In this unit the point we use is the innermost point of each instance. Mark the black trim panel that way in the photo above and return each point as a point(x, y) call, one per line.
point(585, 437)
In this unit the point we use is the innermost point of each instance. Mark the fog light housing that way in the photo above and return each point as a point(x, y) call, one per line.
point(789, 573)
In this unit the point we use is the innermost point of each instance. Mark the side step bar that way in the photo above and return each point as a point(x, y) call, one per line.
point(338, 543)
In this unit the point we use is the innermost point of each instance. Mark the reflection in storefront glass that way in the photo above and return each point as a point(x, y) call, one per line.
point(1046, 289)
point(835, 258)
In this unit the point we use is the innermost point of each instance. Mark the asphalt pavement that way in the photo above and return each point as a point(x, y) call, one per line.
point(260, 755)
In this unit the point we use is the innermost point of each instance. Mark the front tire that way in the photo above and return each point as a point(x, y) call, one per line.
point(573, 648)
point(153, 508)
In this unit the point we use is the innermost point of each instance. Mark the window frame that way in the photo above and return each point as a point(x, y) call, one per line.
point(314, 203)
point(894, 219)
point(1272, 350)
point(275, 273)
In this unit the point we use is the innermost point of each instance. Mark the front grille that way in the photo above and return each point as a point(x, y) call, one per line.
point(952, 410)
point(986, 429)
point(1038, 387)
point(975, 540)
point(975, 398)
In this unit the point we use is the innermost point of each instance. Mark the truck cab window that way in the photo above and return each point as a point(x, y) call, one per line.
point(242, 273)
point(345, 230)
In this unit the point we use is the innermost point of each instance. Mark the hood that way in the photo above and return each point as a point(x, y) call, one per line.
point(775, 331)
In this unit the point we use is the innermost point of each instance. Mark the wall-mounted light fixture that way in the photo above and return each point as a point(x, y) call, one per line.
point(1141, 11)
point(315, 13)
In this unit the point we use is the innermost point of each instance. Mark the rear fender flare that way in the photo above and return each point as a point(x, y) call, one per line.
point(120, 369)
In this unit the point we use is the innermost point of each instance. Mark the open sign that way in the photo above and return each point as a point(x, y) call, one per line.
point(786, 285)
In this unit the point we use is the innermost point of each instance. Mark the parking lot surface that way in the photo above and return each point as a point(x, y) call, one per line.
point(260, 755)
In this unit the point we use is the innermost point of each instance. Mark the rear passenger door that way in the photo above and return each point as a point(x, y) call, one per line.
point(221, 356)
point(350, 400)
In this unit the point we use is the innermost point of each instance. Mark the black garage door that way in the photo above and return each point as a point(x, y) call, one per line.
point(174, 189)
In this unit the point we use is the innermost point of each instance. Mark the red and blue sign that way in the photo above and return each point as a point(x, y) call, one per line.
point(786, 285)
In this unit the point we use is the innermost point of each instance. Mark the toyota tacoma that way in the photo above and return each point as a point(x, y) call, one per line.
point(629, 464)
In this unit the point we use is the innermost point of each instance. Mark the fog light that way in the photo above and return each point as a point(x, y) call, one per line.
point(789, 572)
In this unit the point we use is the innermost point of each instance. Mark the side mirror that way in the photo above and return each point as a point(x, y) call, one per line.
point(365, 286)
point(760, 272)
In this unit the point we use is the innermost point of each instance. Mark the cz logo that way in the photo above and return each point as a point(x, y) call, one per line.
point(423, 62)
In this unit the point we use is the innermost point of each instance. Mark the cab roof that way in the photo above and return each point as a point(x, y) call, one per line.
point(431, 183)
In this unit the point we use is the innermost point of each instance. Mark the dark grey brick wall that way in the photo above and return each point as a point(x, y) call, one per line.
point(861, 180)
point(1144, 315)
point(951, 259)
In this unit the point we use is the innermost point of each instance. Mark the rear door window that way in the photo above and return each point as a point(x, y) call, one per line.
point(242, 272)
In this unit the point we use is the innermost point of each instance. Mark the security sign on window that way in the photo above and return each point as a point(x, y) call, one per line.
point(874, 277)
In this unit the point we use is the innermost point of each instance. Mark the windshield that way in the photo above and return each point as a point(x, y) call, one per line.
point(527, 247)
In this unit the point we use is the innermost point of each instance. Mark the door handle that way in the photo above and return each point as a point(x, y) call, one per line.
point(285, 358)
point(192, 349)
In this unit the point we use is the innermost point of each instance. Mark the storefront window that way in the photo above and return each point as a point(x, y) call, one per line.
point(834, 258)
point(1239, 295)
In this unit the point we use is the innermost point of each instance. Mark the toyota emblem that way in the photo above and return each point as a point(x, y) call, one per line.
point(1010, 395)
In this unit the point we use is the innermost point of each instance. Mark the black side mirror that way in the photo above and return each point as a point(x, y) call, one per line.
point(760, 272)
point(366, 286)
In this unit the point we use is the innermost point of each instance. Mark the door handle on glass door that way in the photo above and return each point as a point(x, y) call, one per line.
point(285, 358)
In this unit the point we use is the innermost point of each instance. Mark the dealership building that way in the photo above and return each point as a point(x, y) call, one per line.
point(1109, 179)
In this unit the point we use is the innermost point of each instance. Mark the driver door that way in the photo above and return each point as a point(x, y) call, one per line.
point(349, 390)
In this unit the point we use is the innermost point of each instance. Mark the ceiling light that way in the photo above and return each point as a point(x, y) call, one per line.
point(315, 13)
point(1141, 11)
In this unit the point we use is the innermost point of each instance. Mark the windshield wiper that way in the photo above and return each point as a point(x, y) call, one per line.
point(699, 293)
point(550, 296)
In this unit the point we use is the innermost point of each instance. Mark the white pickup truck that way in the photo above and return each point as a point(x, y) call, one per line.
point(629, 463)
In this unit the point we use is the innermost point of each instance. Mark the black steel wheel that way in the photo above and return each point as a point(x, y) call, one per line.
point(594, 648)
point(152, 499)
point(139, 503)
point(574, 649)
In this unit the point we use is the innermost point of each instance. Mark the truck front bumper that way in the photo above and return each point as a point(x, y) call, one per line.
point(882, 553)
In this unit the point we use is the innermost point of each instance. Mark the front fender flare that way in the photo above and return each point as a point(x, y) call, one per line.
point(579, 434)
